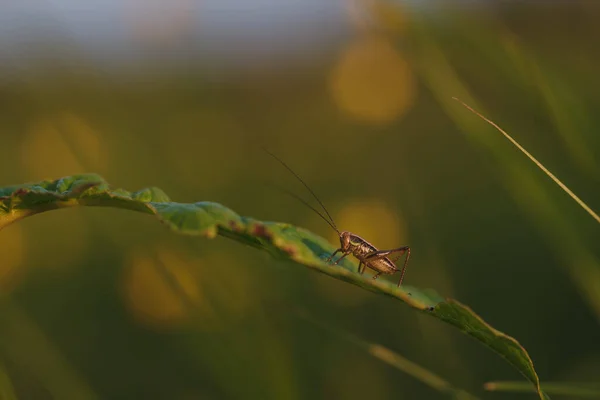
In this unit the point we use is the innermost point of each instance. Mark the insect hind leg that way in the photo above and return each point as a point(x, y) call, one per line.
point(404, 267)
point(407, 250)
point(393, 255)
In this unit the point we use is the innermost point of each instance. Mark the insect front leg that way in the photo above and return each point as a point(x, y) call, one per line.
point(334, 253)
point(341, 258)
point(364, 266)
point(361, 264)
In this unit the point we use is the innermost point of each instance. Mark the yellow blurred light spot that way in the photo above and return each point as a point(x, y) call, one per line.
point(372, 82)
point(11, 259)
point(61, 145)
point(166, 288)
point(161, 291)
point(375, 222)
point(56, 146)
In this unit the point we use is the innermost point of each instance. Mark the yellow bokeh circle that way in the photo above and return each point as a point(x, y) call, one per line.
point(160, 288)
point(167, 289)
point(372, 82)
point(11, 259)
point(61, 145)
point(375, 221)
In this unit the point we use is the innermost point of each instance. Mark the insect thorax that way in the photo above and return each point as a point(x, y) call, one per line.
point(360, 247)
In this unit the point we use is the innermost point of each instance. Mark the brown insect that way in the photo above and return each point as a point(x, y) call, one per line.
point(380, 261)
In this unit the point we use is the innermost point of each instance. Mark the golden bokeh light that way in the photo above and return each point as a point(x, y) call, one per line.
point(372, 82)
point(12, 255)
point(160, 289)
point(62, 145)
point(375, 221)
point(56, 146)
point(166, 288)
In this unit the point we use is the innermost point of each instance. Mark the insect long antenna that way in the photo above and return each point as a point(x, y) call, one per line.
point(301, 200)
point(331, 222)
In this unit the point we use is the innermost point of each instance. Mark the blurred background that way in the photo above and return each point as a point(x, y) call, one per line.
point(356, 95)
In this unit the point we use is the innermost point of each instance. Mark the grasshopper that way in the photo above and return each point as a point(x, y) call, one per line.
point(380, 261)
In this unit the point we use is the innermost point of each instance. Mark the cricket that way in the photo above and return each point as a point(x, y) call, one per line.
point(380, 261)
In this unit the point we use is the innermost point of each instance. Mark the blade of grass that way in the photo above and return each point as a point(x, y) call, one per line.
point(564, 187)
point(580, 263)
point(573, 389)
point(394, 359)
point(567, 109)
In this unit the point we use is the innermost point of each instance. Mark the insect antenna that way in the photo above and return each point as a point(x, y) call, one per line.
point(330, 221)
point(301, 200)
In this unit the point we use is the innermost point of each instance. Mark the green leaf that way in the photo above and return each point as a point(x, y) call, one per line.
point(281, 240)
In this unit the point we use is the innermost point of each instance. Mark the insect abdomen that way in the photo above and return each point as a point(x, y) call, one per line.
point(383, 265)
point(361, 249)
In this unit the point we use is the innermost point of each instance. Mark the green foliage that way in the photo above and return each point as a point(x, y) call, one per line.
point(281, 240)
